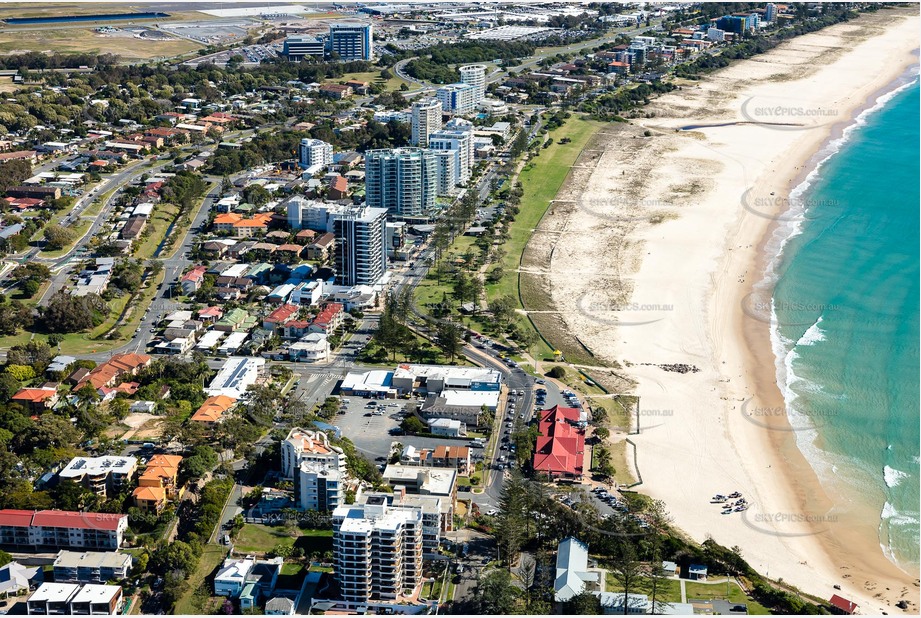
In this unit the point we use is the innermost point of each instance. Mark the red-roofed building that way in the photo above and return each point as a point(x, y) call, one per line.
point(621, 68)
point(62, 530)
point(36, 400)
point(192, 280)
point(339, 188)
point(295, 329)
point(280, 317)
point(840, 605)
point(210, 314)
point(328, 320)
point(24, 203)
point(561, 444)
point(120, 364)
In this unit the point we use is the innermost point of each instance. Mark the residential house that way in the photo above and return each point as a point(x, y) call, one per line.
point(338, 188)
point(106, 374)
point(573, 576)
point(305, 237)
point(281, 316)
point(321, 249)
point(192, 280)
point(213, 409)
point(246, 579)
point(336, 91)
point(37, 400)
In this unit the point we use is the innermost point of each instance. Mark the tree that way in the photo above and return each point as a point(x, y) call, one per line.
point(5, 558)
point(584, 603)
point(557, 373)
point(20, 372)
point(412, 425)
point(13, 316)
point(57, 237)
point(627, 573)
point(71, 314)
point(495, 593)
point(602, 433)
point(449, 339)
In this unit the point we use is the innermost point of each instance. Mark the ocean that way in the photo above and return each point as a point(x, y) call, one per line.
point(845, 319)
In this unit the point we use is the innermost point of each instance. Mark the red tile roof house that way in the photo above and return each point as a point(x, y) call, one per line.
point(561, 445)
point(62, 530)
point(328, 320)
point(280, 317)
point(192, 280)
point(840, 605)
point(210, 314)
point(24, 203)
point(36, 400)
point(120, 364)
point(339, 188)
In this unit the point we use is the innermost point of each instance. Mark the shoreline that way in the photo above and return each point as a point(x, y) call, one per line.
point(691, 272)
point(762, 356)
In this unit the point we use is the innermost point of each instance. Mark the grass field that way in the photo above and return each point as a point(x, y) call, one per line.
point(211, 557)
point(374, 77)
point(668, 590)
point(259, 539)
point(541, 180)
point(706, 592)
point(159, 223)
point(85, 40)
point(78, 229)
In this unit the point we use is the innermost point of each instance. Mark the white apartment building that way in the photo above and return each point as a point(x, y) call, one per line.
point(426, 119)
point(305, 445)
point(103, 476)
point(459, 140)
point(458, 98)
point(448, 164)
point(317, 468)
point(313, 152)
point(402, 180)
point(304, 214)
point(377, 550)
point(360, 251)
point(475, 75)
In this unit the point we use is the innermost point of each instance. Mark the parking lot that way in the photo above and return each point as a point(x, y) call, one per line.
point(371, 433)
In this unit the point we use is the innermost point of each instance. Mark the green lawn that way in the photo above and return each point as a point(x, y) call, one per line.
point(668, 590)
point(163, 215)
point(541, 180)
point(373, 77)
point(706, 592)
point(77, 229)
point(257, 538)
point(212, 556)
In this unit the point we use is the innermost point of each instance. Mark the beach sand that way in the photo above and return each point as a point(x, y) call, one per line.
point(662, 250)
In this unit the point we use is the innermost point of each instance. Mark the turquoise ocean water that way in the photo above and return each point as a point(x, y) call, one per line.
point(845, 317)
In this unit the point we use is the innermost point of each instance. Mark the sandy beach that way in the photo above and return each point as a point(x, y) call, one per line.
point(666, 245)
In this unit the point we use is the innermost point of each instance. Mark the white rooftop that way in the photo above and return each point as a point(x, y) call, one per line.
point(80, 466)
point(237, 374)
point(97, 593)
point(54, 593)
